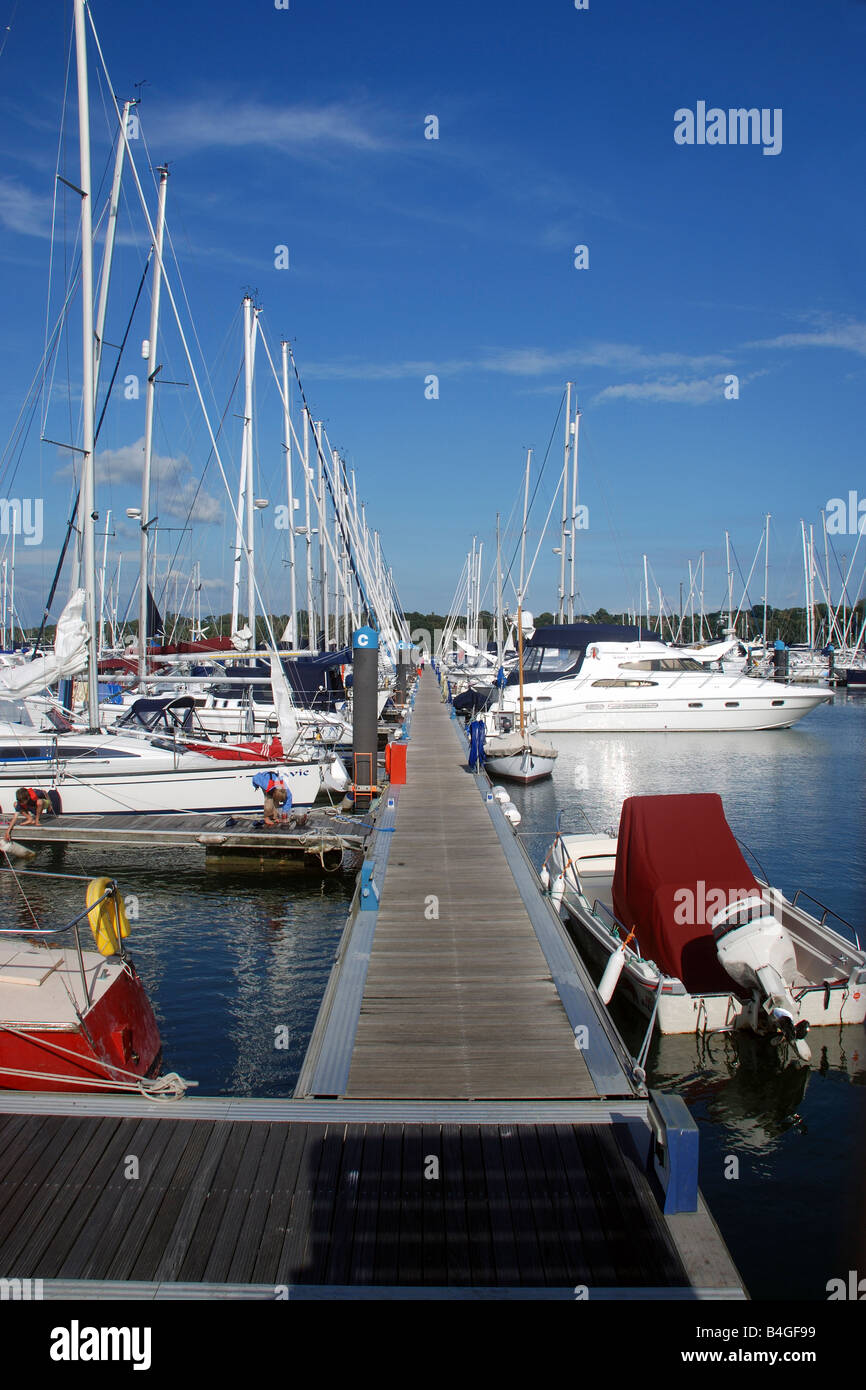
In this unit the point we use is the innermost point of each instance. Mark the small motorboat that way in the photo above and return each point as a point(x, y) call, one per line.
point(76, 1019)
point(681, 927)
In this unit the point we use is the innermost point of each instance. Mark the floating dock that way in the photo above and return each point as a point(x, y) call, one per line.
point(314, 840)
point(467, 1123)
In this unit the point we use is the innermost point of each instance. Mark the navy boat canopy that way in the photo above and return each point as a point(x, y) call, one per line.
point(579, 636)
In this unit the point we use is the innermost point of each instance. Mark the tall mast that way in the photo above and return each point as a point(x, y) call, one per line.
point(572, 586)
point(88, 491)
point(307, 527)
point(323, 544)
point(730, 577)
point(520, 590)
point(152, 369)
point(249, 354)
point(563, 540)
point(108, 253)
point(287, 445)
point(766, 571)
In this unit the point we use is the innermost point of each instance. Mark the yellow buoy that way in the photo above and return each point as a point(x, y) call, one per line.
point(105, 918)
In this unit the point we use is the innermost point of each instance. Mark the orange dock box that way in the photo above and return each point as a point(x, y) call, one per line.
point(395, 763)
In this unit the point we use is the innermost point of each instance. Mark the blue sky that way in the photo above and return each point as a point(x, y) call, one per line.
point(455, 256)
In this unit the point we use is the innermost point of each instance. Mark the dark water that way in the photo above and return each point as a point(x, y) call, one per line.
point(781, 1145)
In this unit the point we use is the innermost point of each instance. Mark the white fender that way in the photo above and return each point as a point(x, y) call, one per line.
point(612, 972)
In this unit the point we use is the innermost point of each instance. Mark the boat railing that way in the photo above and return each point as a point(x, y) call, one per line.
point(828, 912)
point(601, 910)
point(73, 926)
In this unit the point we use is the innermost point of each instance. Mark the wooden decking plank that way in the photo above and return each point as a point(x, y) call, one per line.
point(477, 1208)
point(293, 1267)
point(282, 1191)
point(434, 1248)
point(257, 1207)
point(362, 1264)
point(346, 1199)
point(32, 1192)
point(553, 1256)
point(223, 1190)
point(410, 1254)
point(74, 1211)
point(99, 1191)
point(600, 1265)
point(390, 1206)
point(526, 1237)
point(501, 1222)
point(175, 1244)
point(163, 1168)
point(565, 1211)
point(621, 1242)
point(219, 1260)
point(125, 1221)
point(324, 1203)
point(10, 1127)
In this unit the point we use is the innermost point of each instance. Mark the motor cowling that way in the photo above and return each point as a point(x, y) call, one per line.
point(758, 954)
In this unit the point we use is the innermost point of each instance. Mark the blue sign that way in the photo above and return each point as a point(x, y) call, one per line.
point(365, 639)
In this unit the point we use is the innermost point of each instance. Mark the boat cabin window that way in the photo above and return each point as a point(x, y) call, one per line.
point(549, 660)
point(664, 663)
point(610, 681)
point(25, 755)
point(81, 751)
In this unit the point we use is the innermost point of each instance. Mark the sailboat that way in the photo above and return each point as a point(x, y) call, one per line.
point(509, 752)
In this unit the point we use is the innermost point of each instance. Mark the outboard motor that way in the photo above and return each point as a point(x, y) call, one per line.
point(758, 954)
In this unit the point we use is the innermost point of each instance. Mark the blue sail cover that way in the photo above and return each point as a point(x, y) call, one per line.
point(477, 756)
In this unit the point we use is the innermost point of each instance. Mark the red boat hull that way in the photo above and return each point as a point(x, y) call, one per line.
point(121, 1036)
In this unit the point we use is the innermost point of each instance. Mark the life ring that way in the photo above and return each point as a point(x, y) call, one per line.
point(102, 919)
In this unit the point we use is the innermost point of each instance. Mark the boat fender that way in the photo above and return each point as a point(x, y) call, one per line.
point(557, 891)
point(612, 971)
point(102, 918)
point(511, 813)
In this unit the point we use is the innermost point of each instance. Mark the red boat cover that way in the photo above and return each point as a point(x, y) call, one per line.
point(677, 863)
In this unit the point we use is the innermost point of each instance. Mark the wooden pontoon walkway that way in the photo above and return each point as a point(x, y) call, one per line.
point(447, 1139)
point(459, 1000)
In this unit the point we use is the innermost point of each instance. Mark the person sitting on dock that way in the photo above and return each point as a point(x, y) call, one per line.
point(31, 803)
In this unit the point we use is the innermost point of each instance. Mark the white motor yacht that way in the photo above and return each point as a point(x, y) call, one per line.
point(588, 677)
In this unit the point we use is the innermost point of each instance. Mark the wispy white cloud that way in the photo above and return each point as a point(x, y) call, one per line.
point(200, 124)
point(180, 494)
point(669, 390)
point(530, 362)
point(850, 336)
point(23, 211)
